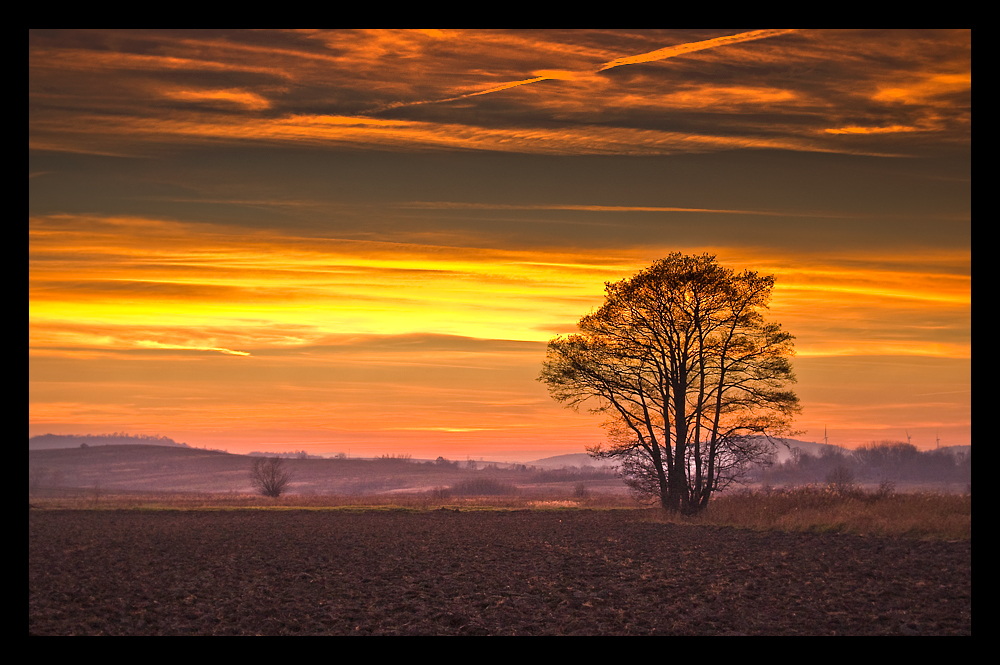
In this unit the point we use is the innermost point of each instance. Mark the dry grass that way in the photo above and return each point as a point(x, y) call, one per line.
point(912, 515)
point(118, 500)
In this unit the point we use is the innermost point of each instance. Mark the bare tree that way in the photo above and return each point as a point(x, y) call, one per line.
point(692, 378)
point(268, 476)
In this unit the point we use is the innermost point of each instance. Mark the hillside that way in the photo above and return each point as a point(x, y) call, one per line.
point(176, 469)
point(52, 441)
point(571, 459)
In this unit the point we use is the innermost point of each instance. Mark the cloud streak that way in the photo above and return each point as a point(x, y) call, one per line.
point(457, 205)
point(298, 289)
point(96, 133)
point(692, 47)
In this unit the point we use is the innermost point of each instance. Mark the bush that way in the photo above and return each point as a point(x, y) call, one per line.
point(441, 493)
point(840, 478)
point(885, 490)
point(268, 476)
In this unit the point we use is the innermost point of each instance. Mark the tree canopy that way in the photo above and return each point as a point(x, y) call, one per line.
point(693, 379)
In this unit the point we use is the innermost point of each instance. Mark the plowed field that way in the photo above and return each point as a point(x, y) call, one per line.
point(617, 572)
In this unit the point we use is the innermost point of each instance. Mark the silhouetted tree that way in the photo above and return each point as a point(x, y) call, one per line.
point(690, 374)
point(888, 460)
point(268, 476)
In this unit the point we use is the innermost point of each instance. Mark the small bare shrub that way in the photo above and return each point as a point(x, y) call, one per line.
point(840, 479)
point(268, 476)
point(580, 491)
point(885, 490)
point(440, 493)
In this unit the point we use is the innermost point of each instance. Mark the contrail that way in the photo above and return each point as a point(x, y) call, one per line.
point(652, 56)
point(681, 49)
point(160, 345)
point(502, 86)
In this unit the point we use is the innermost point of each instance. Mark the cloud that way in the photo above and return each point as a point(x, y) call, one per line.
point(234, 96)
point(568, 75)
point(122, 93)
point(893, 129)
point(456, 205)
point(922, 88)
point(122, 283)
point(94, 134)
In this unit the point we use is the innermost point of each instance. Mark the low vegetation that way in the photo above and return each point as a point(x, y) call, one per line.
point(269, 477)
point(804, 509)
point(844, 498)
point(879, 512)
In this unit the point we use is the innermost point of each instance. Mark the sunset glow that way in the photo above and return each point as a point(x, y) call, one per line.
point(362, 241)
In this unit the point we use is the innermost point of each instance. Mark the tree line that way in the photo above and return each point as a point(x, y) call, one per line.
point(876, 462)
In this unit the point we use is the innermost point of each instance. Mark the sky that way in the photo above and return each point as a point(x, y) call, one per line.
point(361, 241)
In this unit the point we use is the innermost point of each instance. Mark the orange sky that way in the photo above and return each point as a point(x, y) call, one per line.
point(361, 241)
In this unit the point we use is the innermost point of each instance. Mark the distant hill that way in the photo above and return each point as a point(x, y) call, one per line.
point(150, 468)
point(53, 441)
point(571, 459)
point(782, 452)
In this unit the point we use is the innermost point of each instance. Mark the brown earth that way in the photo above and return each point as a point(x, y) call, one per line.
point(577, 572)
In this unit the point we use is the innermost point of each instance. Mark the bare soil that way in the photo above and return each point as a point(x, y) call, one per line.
point(575, 572)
